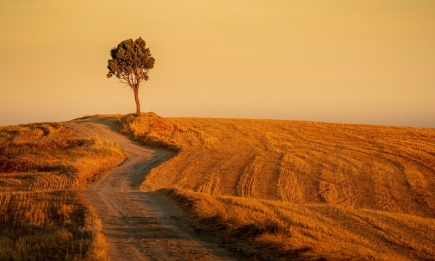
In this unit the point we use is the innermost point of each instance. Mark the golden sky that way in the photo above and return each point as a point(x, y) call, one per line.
point(359, 61)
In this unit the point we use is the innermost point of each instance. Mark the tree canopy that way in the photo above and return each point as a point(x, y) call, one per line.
point(131, 62)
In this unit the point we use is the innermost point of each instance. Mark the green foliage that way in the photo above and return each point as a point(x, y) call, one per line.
point(131, 61)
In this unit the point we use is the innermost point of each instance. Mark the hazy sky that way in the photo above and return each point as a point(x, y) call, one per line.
point(359, 61)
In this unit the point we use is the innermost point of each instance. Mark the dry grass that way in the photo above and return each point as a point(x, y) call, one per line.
point(49, 156)
point(302, 189)
point(41, 217)
point(49, 226)
point(274, 230)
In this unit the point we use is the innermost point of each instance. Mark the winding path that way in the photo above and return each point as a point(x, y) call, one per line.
point(140, 225)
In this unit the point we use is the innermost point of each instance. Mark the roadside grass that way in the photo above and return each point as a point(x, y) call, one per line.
point(49, 226)
point(42, 217)
point(151, 130)
point(52, 148)
point(275, 230)
point(303, 190)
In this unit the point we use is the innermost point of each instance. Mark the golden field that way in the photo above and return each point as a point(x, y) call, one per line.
point(42, 217)
point(276, 189)
point(264, 189)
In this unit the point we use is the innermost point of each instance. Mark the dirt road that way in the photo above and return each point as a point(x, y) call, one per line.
point(140, 225)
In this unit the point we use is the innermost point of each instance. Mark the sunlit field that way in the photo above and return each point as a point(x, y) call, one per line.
point(305, 190)
point(42, 217)
point(264, 189)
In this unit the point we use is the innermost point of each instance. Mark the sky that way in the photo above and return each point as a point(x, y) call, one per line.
point(359, 61)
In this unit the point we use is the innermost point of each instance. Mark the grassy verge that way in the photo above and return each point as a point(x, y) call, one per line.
point(151, 130)
point(49, 226)
point(33, 150)
point(274, 230)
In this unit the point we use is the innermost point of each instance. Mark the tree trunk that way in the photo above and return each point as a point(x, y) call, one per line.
point(136, 98)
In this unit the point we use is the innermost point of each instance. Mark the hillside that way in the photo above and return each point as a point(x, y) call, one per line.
point(262, 189)
point(316, 190)
point(42, 217)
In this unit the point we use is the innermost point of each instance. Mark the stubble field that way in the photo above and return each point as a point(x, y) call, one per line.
point(304, 190)
point(263, 189)
point(42, 217)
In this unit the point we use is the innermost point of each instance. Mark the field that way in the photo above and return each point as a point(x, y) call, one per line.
point(307, 190)
point(41, 214)
point(263, 189)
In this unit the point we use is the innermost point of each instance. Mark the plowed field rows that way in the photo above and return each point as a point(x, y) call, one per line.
point(357, 188)
point(374, 167)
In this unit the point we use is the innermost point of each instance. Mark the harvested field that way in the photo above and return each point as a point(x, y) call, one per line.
point(331, 189)
point(50, 225)
point(41, 215)
point(262, 189)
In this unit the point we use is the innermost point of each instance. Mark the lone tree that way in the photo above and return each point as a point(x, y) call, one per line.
point(131, 61)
